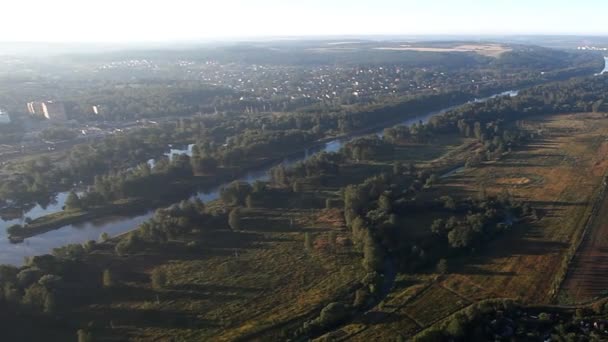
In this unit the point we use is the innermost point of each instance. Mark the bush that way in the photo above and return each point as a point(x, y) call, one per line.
point(35, 297)
point(84, 336)
point(332, 314)
point(127, 245)
point(28, 276)
point(50, 281)
point(442, 266)
point(14, 229)
point(361, 297)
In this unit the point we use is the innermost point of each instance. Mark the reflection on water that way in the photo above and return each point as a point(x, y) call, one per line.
point(79, 233)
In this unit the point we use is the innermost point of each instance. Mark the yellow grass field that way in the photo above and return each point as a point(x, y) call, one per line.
point(558, 173)
point(490, 50)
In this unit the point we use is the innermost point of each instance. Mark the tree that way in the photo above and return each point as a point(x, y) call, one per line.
point(372, 255)
point(84, 336)
point(126, 245)
point(438, 226)
point(50, 282)
point(442, 266)
point(234, 219)
point(50, 305)
point(107, 279)
point(455, 327)
point(448, 202)
point(384, 203)
point(35, 297)
point(73, 201)
point(297, 186)
point(249, 201)
point(104, 237)
point(477, 130)
point(204, 165)
point(432, 180)
point(361, 297)
point(158, 278)
point(460, 237)
point(28, 276)
point(258, 186)
point(332, 314)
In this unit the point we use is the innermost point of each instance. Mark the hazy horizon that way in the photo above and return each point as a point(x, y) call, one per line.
point(113, 21)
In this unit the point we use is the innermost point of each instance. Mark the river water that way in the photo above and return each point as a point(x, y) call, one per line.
point(79, 233)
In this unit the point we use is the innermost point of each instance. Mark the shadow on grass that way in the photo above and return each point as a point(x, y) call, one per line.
point(379, 317)
point(156, 319)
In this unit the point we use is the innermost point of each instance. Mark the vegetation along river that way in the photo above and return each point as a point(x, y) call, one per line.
point(79, 233)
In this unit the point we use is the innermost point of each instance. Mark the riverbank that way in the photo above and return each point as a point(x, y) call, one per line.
point(57, 220)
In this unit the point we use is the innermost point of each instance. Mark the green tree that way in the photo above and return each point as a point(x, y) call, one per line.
point(107, 279)
point(455, 327)
point(73, 201)
point(158, 278)
point(461, 237)
point(372, 254)
point(35, 297)
point(438, 226)
point(477, 130)
point(50, 305)
point(432, 180)
point(104, 237)
point(448, 202)
point(234, 219)
point(249, 201)
point(442, 266)
point(84, 336)
point(385, 203)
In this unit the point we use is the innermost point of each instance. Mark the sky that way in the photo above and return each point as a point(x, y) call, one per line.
point(186, 20)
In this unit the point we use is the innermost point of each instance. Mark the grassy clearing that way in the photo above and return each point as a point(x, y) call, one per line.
point(241, 285)
point(523, 263)
point(433, 304)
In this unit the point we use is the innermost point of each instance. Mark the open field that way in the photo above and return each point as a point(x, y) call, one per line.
point(490, 50)
point(547, 174)
point(231, 285)
point(524, 262)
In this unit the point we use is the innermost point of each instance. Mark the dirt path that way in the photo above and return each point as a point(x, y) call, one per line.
point(588, 273)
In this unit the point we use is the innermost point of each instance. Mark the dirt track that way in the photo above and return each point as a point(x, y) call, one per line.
point(588, 273)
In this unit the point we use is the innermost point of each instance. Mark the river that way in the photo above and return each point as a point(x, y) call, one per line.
point(79, 233)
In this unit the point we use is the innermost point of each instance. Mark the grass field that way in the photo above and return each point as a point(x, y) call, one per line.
point(558, 173)
point(238, 285)
point(256, 283)
point(587, 277)
point(523, 262)
point(491, 50)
